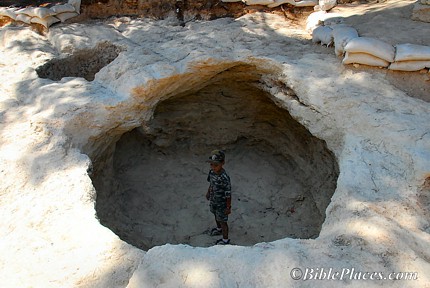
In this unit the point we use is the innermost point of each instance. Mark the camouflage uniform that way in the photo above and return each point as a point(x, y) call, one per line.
point(220, 190)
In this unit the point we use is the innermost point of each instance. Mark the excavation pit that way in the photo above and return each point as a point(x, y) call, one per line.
point(152, 190)
point(83, 63)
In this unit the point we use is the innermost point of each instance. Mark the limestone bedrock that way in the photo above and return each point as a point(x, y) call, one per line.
point(377, 220)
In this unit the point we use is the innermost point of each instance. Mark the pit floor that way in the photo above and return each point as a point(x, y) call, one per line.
point(162, 198)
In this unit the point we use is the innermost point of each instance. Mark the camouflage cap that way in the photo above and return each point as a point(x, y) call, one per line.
point(217, 156)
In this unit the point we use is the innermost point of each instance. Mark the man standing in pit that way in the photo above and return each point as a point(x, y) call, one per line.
point(219, 195)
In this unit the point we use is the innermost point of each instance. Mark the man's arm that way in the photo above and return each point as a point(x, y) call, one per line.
point(228, 194)
point(228, 209)
point(208, 193)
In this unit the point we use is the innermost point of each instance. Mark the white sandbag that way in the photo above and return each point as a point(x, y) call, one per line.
point(341, 36)
point(8, 12)
point(304, 3)
point(323, 35)
point(326, 4)
point(40, 12)
point(371, 46)
point(322, 18)
point(405, 52)
point(23, 18)
point(365, 59)
point(46, 22)
point(276, 3)
point(315, 20)
point(76, 4)
point(65, 16)
point(410, 65)
point(63, 8)
point(258, 2)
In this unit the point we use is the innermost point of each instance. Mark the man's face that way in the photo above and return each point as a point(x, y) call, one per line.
point(216, 167)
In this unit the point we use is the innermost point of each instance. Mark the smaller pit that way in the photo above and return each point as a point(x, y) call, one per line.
point(83, 63)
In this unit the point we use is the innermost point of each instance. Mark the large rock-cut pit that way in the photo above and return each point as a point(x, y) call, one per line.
point(152, 190)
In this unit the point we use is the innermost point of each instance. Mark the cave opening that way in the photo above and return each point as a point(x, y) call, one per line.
point(152, 191)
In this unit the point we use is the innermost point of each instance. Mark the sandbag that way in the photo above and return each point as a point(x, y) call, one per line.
point(326, 4)
point(363, 58)
point(315, 20)
point(410, 65)
point(371, 46)
point(46, 22)
point(8, 12)
point(276, 3)
point(341, 36)
point(323, 35)
point(40, 12)
point(65, 16)
point(76, 4)
point(63, 8)
point(304, 3)
point(23, 18)
point(231, 0)
point(258, 2)
point(406, 52)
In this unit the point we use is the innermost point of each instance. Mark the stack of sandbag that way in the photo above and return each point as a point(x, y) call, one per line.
point(41, 15)
point(369, 51)
point(323, 35)
point(410, 57)
point(365, 50)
